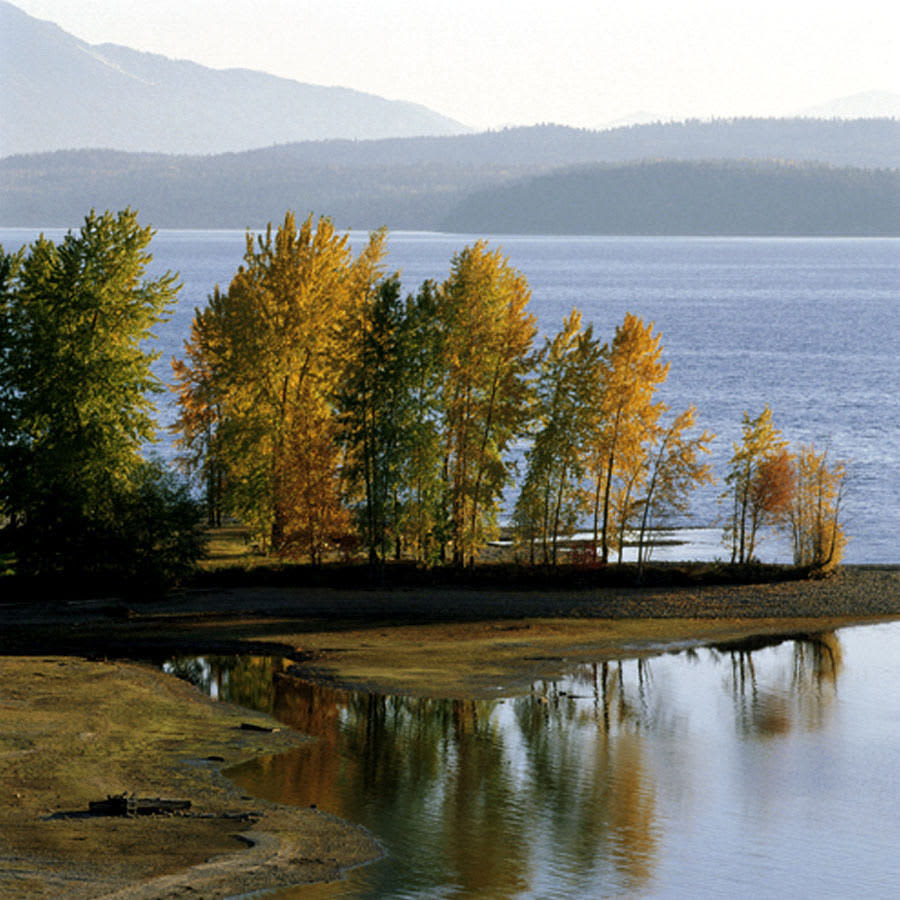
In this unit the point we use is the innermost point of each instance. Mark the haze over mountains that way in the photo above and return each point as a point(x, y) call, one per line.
point(169, 121)
point(58, 93)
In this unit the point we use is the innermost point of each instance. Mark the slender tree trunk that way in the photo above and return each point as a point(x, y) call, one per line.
point(604, 556)
point(596, 516)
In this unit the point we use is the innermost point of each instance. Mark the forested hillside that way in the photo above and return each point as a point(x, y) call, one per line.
point(432, 183)
point(689, 198)
point(233, 190)
point(241, 190)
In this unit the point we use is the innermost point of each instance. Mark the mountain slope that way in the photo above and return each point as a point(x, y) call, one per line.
point(57, 92)
point(864, 142)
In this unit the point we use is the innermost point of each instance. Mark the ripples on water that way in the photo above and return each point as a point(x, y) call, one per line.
point(811, 327)
point(762, 769)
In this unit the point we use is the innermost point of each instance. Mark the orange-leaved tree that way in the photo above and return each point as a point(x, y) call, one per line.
point(758, 484)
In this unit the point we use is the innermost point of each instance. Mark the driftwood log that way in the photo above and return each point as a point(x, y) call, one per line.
point(123, 805)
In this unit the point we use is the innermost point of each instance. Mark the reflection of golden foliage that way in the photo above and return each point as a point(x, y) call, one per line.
point(771, 715)
point(633, 830)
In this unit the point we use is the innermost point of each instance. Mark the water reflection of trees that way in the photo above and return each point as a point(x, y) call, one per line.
point(484, 796)
point(488, 797)
point(797, 694)
point(246, 680)
point(590, 777)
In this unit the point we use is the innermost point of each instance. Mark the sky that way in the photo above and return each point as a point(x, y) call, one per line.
point(491, 63)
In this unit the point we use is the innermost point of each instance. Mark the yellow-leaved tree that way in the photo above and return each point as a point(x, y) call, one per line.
point(674, 467)
point(626, 418)
point(487, 334)
point(256, 391)
point(814, 518)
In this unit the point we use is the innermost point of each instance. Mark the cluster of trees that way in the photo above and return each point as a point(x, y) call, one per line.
point(313, 394)
point(314, 397)
point(797, 492)
point(604, 446)
point(77, 497)
point(318, 403)
point(322, 409)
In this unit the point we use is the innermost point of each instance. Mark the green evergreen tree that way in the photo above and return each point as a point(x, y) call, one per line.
point(388, 421)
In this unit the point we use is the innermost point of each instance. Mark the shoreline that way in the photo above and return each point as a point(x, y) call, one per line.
point(100, 725)
point(74, 730)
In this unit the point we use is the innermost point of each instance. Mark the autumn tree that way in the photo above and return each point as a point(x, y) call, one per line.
point(757, 484)
point(552, 495)
point(817, 536)
point(674, 468)
point(259, 384)
point(626, 416)
point(487, 335)
point(76, 404)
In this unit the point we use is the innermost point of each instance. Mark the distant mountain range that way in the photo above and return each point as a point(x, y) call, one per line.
point(437, 183)
point(57, 92)
point(180, 142)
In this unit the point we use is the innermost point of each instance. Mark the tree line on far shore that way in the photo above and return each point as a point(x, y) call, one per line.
point(325, 411)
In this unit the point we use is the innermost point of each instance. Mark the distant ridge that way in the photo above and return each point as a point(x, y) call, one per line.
point(249, 189)
point(57, 92)
point(689, 198)
point(864, 142)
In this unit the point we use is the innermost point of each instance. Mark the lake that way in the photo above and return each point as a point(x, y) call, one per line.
point(809, 326)
point(764, 769)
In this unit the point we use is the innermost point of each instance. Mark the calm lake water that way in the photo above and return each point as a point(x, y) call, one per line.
point(763, 771)
point(811, 327)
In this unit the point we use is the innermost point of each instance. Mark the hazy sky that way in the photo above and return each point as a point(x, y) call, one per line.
point(495, 62)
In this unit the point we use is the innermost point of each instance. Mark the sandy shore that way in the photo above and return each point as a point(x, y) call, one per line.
point(73, 729)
